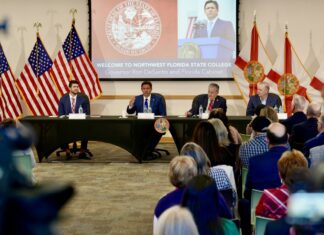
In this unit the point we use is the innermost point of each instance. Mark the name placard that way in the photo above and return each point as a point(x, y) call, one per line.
point(282, 116)
point(77, 116)
point(204, 115)
point(145, 116)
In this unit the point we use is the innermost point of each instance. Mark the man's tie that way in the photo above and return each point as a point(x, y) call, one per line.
point(146, 103)
point(209, 28)
point(73, 104)
point(210, 106)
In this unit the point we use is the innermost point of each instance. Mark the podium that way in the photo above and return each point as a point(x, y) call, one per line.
point(217, 48)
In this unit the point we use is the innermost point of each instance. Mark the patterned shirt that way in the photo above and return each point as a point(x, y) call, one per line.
point(253, 147)
point(273, 203)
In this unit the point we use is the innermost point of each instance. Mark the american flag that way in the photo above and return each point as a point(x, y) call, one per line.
point(9, 97)
point(72, 61)
point(35, 83)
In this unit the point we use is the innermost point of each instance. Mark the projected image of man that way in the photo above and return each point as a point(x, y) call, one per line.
point(214, 26)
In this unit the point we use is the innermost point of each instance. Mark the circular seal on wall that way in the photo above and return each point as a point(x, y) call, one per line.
point(133, 27)
point(161, 125)
point(288, 84)
point(254, 72)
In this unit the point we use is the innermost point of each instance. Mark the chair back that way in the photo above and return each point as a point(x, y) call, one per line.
point(260, 224)
point(245, 137)
point(316, 154)
point(24, 164)
point(255, 198)
point(244, 175)
point(87, 102)
point(163, 100)
point(195, 102)
point(229, 197)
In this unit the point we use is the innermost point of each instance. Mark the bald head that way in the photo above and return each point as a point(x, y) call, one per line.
point(314, 110)
point(277, 134)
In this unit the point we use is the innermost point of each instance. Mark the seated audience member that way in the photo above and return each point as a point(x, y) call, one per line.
point(148, 102)
point(264, 97)
point(181, 170)
point(256, 114)
point(273, 202)
point(306, 130)
point(208, 101)
point(176, 221)
point(201, 198)
point(269, 113)
point(233, 134)
point(222, 177)
point(298, 106)
point(258, 144)
point(71, 103)
point(317, 140)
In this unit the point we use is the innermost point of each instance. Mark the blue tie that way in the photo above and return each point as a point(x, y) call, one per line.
point(146, 104)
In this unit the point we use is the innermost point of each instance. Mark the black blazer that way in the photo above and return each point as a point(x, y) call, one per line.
point(202, 100)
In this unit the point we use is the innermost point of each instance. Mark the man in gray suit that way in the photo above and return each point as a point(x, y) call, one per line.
point(214, 27)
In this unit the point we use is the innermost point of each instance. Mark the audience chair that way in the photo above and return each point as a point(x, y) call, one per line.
point(316, 154)
point(255, 198)
point(230, 199)
point(244, 175)
point(260, 224)
point(24, 165)
point(245, 137)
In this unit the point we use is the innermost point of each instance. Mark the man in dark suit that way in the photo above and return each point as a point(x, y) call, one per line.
point(71, 103)
point(263, 96)
point(306, 130)
point(148, 102)
point(208, 101)
point(214, 27)
point(298, 106)
point(317, 140)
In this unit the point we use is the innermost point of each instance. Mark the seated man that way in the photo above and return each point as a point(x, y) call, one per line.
point(71, 103)
point(148, 102)
point(208, 101)
point(264, 97)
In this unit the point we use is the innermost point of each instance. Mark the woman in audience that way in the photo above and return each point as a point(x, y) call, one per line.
point(176, 221)
point(269, 113)
point(257, 110)
point(273, 202)
point(201, 198)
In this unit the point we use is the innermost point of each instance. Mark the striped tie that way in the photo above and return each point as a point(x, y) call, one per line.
point(73, 105)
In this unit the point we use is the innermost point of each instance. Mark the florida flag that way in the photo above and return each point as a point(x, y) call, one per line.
point(317, 83)
point(290, 75)
point(251, 65)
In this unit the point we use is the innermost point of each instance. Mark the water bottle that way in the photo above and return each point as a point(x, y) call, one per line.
point(149, 109)
point(80, 109)
point(201, 110)
point(145, 110)
point(280, 109)
point(276, 108)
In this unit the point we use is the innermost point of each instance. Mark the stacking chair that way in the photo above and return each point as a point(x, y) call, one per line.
point(260, 224)
point(244, 175)
point(245, 137)
point(255, 198)
point(24, 164)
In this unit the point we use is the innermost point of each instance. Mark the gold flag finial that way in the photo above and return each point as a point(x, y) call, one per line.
point(37, 25)
point(73, 11)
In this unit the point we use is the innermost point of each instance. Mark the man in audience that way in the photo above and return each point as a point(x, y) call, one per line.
point(208, 101)
point(71, 103)
point(258, 144)
point(147, 101)
point(306, 130)
point(298, 105)
point(317, 140)
point(264, 97)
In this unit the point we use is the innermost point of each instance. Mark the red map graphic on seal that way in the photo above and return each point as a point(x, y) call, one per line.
point(133, 27)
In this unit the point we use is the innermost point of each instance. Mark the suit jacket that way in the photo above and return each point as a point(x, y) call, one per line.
point(65, 104)
point(263, 171)
point(302, 132)
point(313, 142)
point(222, 28)
point(278, 227)
point(157, 105)
point(203, 100)
point(296, 118)
point(272, 100)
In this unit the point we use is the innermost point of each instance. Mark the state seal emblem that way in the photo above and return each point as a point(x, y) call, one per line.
point(161, 125)
point(288, 84)
point(133, 27)
point(253, 72)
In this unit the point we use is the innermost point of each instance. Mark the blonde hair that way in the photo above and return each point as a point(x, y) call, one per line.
point(181, 170)
point(221, 132)
point(269, 113)
point(176, 221)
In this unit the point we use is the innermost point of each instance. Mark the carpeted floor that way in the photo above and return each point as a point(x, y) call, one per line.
point(114, 194)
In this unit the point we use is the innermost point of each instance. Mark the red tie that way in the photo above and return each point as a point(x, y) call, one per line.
point(210, 106)
point(73, 105)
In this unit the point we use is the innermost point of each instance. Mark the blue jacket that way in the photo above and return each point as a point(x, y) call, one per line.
point(65, 105)
point(157, 105)
point(296, 118)
point(263, 171)
point(272, 100)
point(203, 100)
point(313, 142)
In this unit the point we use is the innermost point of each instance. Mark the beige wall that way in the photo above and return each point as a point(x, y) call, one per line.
point(304, 20)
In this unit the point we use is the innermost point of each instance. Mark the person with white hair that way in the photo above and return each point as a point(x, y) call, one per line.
point(264, 97)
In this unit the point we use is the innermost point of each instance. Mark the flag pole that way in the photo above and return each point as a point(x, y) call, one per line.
point(37, 25)
point(285, 81)
point(73, 12)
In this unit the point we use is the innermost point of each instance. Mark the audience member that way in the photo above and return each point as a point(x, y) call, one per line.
point(264, 97)
point(317, 140)
point(306, 130)
point(176, 221)
point(258, 144)
point(269, 113)
point(273, 202)
point(298, 106)
point(257, 111)
point(201, 198)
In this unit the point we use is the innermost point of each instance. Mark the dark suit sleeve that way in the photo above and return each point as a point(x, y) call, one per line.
point(84, 105)
point(194, 107)
point(61, 107)
point(132, 110)
point(162, 107)
point(248, 183)
point(250, 108)
point(278, 102)
point(230, 34)
point(223, 104)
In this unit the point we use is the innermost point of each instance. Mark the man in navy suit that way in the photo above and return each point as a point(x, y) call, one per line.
point(318, 140)
point(71, 103)
point(208, 101)
point(264, 97)
point(298, 106)
point(148, 102)
point(214, 27)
